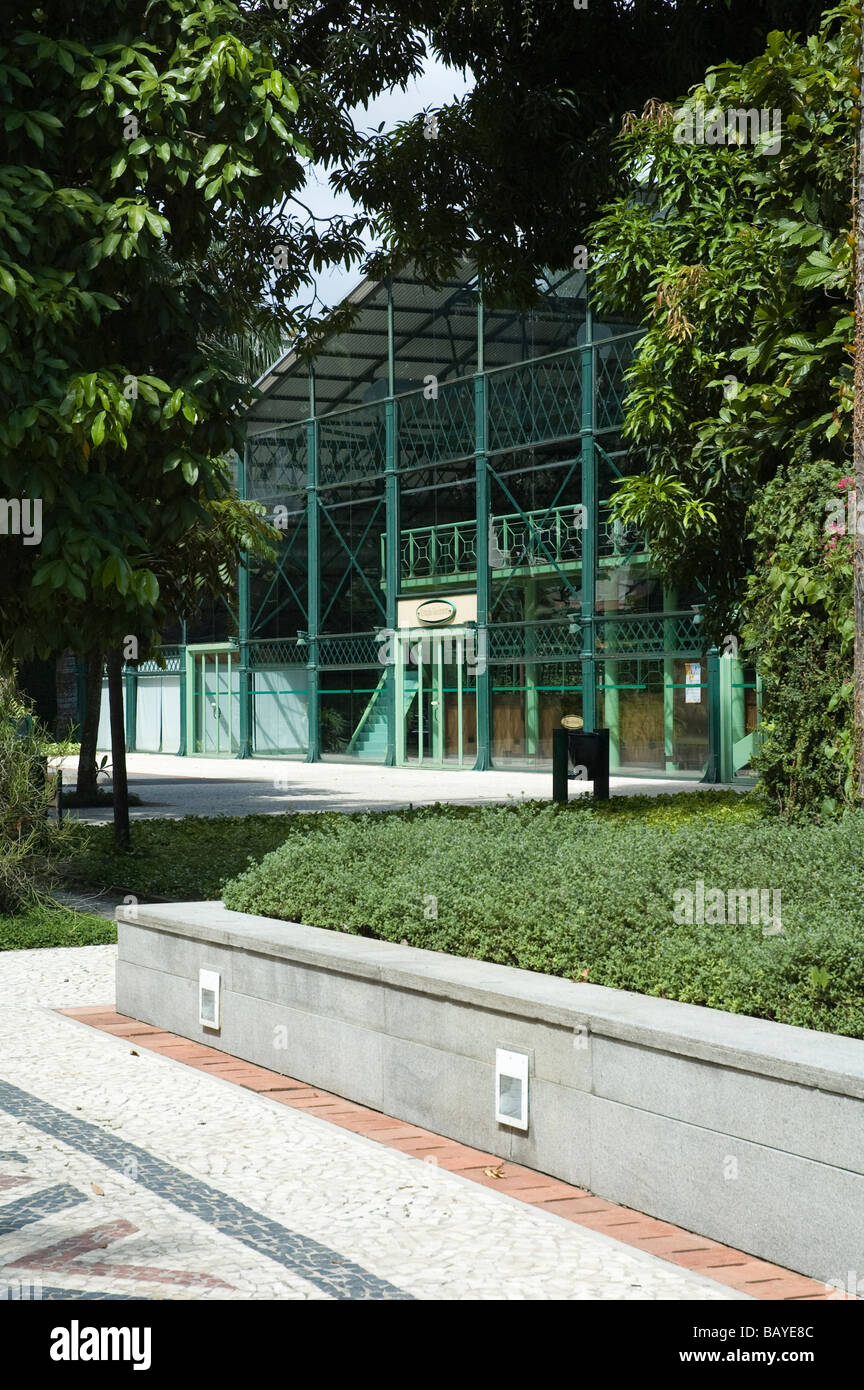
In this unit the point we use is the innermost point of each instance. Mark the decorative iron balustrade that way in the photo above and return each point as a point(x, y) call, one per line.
point(535, 401)
point(542, 537)
point(276, 465)
point(349, 649)
point(439, 428)
point(615, 540)
point(541, 641)
point(352, 445)
point(172, 657)
point(287, 652)
point(647, 634)
point(616, 637)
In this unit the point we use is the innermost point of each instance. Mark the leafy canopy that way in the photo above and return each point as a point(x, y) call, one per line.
point(738, 263)
point(147, 217)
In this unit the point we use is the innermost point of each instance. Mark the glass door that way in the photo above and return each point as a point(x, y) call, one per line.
point(213, 700)
point(437, 718)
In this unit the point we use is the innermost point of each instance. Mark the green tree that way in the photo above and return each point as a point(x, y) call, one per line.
point(513, 172)
point(147, 217)
point(737, 258)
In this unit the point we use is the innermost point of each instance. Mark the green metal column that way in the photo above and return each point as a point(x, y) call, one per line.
point(131, 682)
point(244, 684)
point(313, 577)
point(589, 534)
point(712, 769)
point(532, 701)
point(392, 527)
point(184, 679)
point(192, 713)
point(738, 701)
point(725, 668)
point(669, 602)
point(612, 712)
point(483, 676)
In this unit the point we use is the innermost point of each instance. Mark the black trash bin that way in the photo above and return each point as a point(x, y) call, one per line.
point(589, 755)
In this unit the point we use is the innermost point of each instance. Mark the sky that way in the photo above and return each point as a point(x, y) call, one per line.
point(437, 85)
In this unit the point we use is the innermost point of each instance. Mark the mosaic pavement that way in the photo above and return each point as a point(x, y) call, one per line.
point(126, 1175)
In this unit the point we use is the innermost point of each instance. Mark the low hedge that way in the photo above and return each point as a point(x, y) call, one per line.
point(45, 926)
point(195, 856)
point(587, 893)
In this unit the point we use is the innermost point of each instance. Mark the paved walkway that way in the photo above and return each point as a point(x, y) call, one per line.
point(173, 787)
point(126, 1174)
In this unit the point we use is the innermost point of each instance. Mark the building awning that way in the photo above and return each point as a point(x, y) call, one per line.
point(435, 332)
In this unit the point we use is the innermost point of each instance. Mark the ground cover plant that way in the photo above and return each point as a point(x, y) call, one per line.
point(50, 925)
point(194, 857)
point(592, 894)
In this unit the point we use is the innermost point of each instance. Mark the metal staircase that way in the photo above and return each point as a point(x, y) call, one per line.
point(369, 739)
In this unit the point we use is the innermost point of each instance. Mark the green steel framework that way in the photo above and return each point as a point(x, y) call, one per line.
point(484, 416)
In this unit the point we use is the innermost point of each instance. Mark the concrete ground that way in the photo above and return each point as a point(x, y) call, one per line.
point(129, 1175)
point(172, 787)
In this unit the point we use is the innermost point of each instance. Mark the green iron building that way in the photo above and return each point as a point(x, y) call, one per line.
point(450, 584)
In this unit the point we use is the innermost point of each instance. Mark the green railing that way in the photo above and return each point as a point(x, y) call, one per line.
point(535, 401)
point(647, 634)
point(617, 636)
point(276, 465)
point(171, 656)
point(436, 427)
point(347, 649)
point(542, 537)
point(277, 652)
point(538, 641)
point(532, 402)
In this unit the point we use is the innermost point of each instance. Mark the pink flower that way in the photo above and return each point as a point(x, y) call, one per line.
point(845, 482)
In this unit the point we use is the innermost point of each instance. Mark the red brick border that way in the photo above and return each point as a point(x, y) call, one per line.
point(746, 1273)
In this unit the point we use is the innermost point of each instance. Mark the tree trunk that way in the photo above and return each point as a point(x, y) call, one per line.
point(66, 688)
point(118, 749)
point(87, 770)
point(858, 449)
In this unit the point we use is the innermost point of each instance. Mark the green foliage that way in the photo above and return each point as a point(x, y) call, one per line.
point(46, 925)
point(150, 162)
point(739, 264)
point(588, 894)
point(194, 857)
point(800, 630)
point(520, 164)
point(28, 839)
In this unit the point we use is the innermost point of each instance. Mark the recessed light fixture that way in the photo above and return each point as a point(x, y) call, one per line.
point(210, 999)
point(511, 1088)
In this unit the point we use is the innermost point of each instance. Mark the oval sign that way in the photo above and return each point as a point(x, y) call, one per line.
point(435, 611)
point(572, 721)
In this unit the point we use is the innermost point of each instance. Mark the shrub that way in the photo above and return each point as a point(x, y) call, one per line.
point(800, 632)
point(588, 894)
point(194, 857)
point(43, 926)
point(28, 839)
